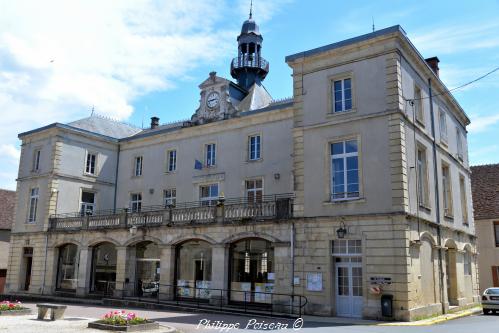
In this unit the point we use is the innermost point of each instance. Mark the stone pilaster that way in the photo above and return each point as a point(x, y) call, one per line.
point(84, 271)
point(167, 272)
point(219, 272)
point(121, 264)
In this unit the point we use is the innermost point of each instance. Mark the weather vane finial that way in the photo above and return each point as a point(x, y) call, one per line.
point(251, 9)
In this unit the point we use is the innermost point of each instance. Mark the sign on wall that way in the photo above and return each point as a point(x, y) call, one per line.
point(314, 281)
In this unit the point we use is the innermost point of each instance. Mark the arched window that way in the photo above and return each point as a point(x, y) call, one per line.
point(67, 267)
point(147, 268)
point(103, 268)
point(467, 263)
point(193, 263)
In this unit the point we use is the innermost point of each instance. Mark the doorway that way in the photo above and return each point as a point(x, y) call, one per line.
point(28, 263)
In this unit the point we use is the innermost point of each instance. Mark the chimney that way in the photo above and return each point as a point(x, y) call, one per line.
point(154, 122)
point(433, 63)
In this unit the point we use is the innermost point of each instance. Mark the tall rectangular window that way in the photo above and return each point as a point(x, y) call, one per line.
point(459, 142)
point(254, 147)
point(172, 160)
point(496, 232)
point(447, 191)
point(170, 197)
point(33, 204)
point(36, 160)
point(135, 202)
point(208, 194)
point(422, 182)
point(90, 163)
point(344, 170)
point(254, 190)
point(137, 170)
point(443, 126)
point(211, 154)
point(467, 263)
point(342, 95)
point(418, 105)
point(464, 204)
point(87, 203)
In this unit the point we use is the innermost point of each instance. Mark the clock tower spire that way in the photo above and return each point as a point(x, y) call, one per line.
point(249, 67)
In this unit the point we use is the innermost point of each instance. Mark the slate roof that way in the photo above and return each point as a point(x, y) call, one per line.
point(485, 188)
point(257, 98)
point(105, 126)
point(7, 204)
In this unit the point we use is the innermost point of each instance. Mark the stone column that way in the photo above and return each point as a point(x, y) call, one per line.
point(219, 273)
point(84, 272)
point(130, 286)
point(51, 271)
point(282, 273)
point(167, 269)
point(121, 265)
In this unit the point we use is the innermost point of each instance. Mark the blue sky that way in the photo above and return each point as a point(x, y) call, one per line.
point(133, 60)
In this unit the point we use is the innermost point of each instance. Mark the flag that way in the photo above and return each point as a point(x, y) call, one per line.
point(198, 165)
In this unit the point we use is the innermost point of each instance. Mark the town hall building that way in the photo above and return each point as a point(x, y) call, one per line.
point(355, 189)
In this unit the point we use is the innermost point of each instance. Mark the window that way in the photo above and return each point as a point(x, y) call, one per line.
point(211, 154)
point(172, 161)
point(418, 105)
point(344, 170)
point(443, 126)
point(36, 160)
point(459, 142)
point(422, 178)
point(347, 246)
point(464, 204)
point(33, 204)
point(87, 203)
point(208, 194)
point(467, 263)
point(342, 95)
point(254, 151)
point(135, 202)
point(447, 189)
point(496, 232)
point(170, 197)
point(254, 190)
point(90, 163)
point(137, 169)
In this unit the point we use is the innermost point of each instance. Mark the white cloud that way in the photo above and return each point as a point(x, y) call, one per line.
point(60, 58)
point(483, 123)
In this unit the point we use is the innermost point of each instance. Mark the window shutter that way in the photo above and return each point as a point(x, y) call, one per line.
point(495, 278)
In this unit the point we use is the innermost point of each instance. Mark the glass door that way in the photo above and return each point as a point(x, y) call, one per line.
point(349, 298)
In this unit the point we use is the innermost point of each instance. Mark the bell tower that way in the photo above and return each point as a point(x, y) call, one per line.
point(249, 66)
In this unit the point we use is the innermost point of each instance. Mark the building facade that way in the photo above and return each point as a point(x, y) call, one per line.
point(356, 187)
point(485, 185)
point(7, 200)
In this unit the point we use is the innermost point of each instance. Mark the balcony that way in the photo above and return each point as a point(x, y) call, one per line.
point(271, 207)
point(249, 61)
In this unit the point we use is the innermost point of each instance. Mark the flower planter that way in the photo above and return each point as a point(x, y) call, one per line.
point(100, 325)
point(20, 312)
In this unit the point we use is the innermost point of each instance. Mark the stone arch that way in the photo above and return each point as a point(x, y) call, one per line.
point(184, 238)
point(62, 242)
point(138, 239)
point(103, 240)
point(468, 247)
point(450, 244)
point(425, 235)
point(250, 234)
point(451, 271)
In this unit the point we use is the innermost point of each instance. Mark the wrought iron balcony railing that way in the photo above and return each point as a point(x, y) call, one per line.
point(277, 206)
point(250, 61)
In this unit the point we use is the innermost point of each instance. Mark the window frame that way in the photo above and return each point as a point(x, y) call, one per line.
point(210, 161)
point(33, 208)
point(137, 202)
point(258, 147)
point(94, 205)
point(464, 200)
point(136, 168)
point(459, 145)
point(422, 180)
point(172, 199)
point(447, 201)
point(495, 227)
point(86, 170)
point(418, 105)
point(442, 123)
point(36, 159)
point(344, 156)
point(171, 166)
point(341, 78)
point(254, 190)
point(210, 200)
point(467, 265)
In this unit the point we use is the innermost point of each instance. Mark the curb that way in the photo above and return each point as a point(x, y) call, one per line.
point(437, 320)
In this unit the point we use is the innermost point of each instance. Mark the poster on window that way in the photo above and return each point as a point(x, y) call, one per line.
point(184, 289)
point(203, 289)
point(314, 281)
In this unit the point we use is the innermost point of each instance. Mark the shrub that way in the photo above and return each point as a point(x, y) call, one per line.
point(122, 318)
point(9, 306)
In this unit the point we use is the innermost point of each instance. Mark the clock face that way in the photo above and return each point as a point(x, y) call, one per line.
point(213, 100)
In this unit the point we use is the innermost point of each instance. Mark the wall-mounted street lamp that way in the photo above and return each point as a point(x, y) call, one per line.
point(341, 231)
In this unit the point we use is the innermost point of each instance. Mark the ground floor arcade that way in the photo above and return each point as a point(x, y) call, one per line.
point(263, 263)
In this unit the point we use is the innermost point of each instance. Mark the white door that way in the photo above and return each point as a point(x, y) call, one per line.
point(349, 298)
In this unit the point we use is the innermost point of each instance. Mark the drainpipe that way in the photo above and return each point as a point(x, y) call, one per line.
point(437, 198)
point(116, 178)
